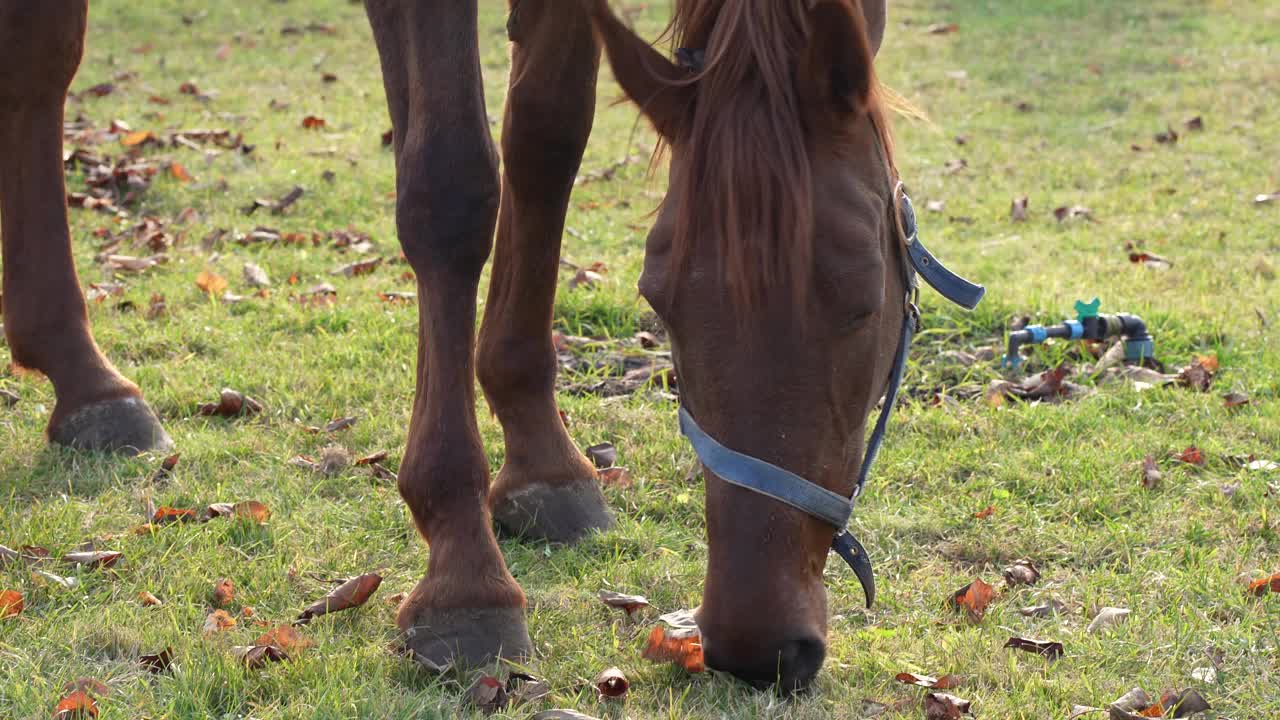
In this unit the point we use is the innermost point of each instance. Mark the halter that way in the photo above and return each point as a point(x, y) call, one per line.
point(785, 486)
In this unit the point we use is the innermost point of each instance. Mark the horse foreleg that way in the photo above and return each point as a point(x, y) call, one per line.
point(468, 608)
point(547, 488)
point(45, 319)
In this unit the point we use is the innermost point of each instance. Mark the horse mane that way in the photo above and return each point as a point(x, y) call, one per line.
point(748, 183)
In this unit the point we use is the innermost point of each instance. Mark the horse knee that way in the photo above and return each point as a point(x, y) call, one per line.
point(512, 364)
point(446, 207)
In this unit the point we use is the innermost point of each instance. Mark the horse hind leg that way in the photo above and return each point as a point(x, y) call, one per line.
point(45, 319)
point(467, 609)
point(547, 489)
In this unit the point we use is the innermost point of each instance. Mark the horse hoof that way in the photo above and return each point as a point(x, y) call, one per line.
point(124, 424)
point(557, 513)
point(440, 639)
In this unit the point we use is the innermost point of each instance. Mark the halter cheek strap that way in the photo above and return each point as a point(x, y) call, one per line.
point(785, 486)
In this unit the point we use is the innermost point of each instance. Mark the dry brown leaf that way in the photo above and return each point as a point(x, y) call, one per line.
point(352, 593)
point(1018, 209)
point(946, 682)
point(1107, 617)
point(312, 122)
point(1235, 400)
point(1048, 648)
point(255, 276)
point(943, 706)
point(1150, 473)
point(341, 423)
point(612, 684)
point(11, 603)
point(985, 513)
point(615, 477)
point(1050, 609)
point(487, 694)
point(165, 471)
point(217, 621)
point(585, 278)
point(1150, 260)
point(372, 458)
point(224, 591)
point(1021, 572)
point(130, 263)
point(355, 269)
point(974, 599)
point(1072, 212)
point(179, 172)
point(257, 656)
point(1183, 704)
point(231, 403)
point(93, 558)
point(629, 604)
point(1199, 374)
point(157, 662)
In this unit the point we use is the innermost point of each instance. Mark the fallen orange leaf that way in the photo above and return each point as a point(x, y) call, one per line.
point(1257, 587)
point(682, 647)
point(78, 704)
point(135, 139)
point(352, 593)
point(211, 283)
point(1192, 456)
point(11, 603)
point(224, 591)
point(974, 598)
point(217, 621)
point(285, 638)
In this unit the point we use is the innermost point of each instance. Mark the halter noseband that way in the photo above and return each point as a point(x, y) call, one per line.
point(785, 486)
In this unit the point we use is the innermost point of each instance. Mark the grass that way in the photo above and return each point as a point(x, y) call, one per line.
point(1092, 79)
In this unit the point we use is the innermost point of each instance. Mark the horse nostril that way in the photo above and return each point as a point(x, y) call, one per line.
point(799, 662)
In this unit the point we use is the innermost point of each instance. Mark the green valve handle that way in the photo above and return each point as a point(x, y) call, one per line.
point(1085, 310)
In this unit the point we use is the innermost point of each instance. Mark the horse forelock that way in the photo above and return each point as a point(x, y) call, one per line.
point(747, 184)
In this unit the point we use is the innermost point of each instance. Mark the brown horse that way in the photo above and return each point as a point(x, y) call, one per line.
point(772, 261)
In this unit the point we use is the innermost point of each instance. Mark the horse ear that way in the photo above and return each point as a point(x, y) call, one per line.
point(836, 69)
point(651, 81)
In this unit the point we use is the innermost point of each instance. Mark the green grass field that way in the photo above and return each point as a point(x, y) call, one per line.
point(1048, 96)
